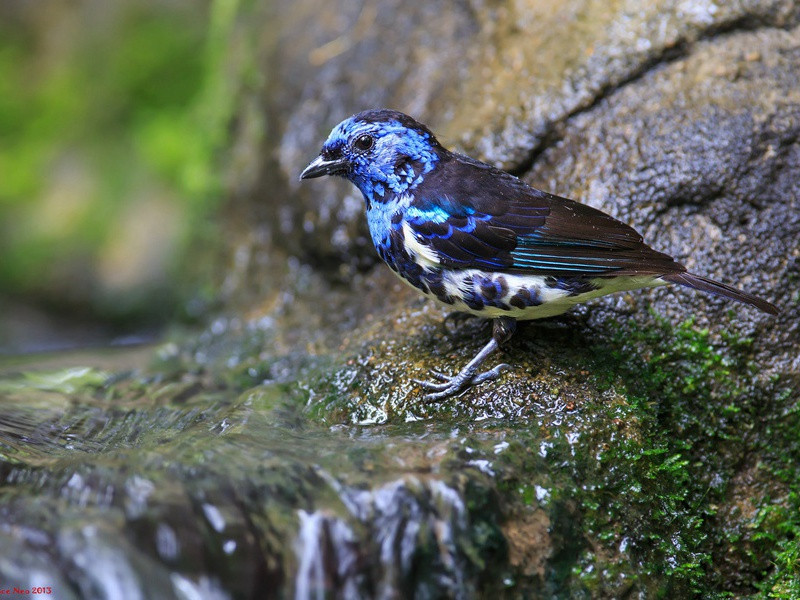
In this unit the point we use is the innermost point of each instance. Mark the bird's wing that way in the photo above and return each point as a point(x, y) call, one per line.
point(466, 214)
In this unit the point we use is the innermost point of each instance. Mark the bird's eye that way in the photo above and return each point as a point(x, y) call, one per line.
point(363, 143)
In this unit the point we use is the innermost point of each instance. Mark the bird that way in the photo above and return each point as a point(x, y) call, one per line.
point(482, 241)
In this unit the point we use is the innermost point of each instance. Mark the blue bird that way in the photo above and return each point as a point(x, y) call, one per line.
point(481, 241)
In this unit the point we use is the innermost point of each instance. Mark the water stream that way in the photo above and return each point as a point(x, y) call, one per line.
point(120, 485)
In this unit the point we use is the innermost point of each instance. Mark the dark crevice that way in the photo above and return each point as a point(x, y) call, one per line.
point(554, 132)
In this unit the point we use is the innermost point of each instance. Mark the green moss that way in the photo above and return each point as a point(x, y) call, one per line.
point(696, 401)
point(783, 532)
point(777, 523)
point(64, 381)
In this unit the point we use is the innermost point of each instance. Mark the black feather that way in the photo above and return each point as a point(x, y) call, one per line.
point(704, 284)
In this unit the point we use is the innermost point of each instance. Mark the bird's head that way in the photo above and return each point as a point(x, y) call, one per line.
point(382, 152)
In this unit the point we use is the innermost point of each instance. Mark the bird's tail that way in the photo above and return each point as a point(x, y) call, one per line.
point(704, 284)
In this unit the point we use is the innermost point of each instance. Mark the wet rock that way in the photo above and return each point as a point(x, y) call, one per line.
point(644, 445)
point(679, 118)
point(223, 495)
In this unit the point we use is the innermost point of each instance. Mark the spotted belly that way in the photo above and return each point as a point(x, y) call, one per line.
point(523, 297)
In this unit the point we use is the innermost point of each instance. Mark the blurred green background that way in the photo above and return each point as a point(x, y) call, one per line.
point(112, 116)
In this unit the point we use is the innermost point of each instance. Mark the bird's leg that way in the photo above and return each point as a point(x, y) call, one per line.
point(502, 330)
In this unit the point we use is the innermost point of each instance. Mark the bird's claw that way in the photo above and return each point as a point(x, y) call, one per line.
point(490, 375)
point(440, 375)
point(453, 385)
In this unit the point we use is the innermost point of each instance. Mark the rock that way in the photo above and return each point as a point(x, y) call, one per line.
point(639, 446)
point(681, 119)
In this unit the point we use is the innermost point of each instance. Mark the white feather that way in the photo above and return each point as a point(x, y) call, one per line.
point(422, 254)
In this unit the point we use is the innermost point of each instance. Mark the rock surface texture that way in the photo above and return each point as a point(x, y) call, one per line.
point(679, 118)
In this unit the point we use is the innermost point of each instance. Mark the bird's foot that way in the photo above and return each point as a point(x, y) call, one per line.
point(453, 385)
point(447, 385)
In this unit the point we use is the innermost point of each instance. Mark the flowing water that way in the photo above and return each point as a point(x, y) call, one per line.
point(123, 485)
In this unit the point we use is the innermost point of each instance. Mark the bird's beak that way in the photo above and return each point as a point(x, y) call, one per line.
point(319, 167)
